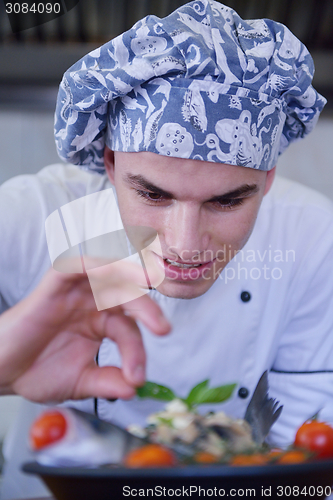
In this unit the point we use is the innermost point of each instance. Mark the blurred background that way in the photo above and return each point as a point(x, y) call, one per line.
point(33, 60)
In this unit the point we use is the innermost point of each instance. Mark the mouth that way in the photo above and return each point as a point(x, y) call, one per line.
point(185, 271)
point(182, 265)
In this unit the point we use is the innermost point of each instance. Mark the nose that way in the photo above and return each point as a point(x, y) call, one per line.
point(186, 233)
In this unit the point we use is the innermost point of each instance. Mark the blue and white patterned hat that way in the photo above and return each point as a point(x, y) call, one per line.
point(201, 83)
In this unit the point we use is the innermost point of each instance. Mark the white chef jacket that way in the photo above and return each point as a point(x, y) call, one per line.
point(286, 327)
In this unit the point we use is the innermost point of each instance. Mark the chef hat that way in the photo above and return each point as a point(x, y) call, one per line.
point(201, 83)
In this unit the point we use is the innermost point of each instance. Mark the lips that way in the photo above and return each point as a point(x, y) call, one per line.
point(181, 264)
point(184, 271)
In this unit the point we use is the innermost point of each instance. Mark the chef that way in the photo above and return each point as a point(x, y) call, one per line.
point(182, 119)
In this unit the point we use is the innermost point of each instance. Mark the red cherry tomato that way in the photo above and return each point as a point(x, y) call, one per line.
point(316, 437)
point(150, 455)
point(204, 457)
point(47, 429)
point(254, 459)
point(293, 457)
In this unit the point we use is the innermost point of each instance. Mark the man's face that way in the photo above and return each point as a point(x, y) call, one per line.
point(203, 212)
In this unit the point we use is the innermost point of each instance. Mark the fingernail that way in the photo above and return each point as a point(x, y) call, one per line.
point(139, 374)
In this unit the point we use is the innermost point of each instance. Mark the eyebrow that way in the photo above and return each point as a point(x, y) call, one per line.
point(244, 190)
point(140, 181)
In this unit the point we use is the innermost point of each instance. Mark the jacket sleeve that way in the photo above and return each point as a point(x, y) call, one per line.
point(25, 203)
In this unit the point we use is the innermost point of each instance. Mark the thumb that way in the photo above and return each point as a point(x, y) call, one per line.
point(106, 382)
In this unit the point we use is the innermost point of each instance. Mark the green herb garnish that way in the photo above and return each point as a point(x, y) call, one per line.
point(200, 394)
point(155, 391)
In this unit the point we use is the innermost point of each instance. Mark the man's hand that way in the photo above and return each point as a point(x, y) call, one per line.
point(49, 341)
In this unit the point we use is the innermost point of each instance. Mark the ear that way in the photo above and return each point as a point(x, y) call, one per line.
point(109, 163)
point(269, 179)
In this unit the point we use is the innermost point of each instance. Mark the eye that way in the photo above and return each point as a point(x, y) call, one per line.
point(153, 196)
point(228, 204)
point(150, 196)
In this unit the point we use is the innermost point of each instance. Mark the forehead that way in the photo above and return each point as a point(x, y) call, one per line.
point(185, 176)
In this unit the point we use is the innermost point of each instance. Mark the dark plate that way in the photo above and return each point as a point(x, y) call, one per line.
point(300, 481)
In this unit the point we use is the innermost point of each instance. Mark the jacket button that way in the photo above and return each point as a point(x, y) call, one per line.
point(245, 296)
point(243, 392)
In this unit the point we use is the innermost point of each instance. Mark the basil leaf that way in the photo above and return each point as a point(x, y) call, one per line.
point(195, 392)
point(202, 394)
point(155, 391)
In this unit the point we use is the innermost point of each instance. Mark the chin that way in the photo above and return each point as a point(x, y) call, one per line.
point(184, 290)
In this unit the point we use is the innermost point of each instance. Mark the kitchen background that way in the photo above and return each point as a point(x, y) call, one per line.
point(32, 62)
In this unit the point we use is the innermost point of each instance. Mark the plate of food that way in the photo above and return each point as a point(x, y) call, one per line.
point(181, 452)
